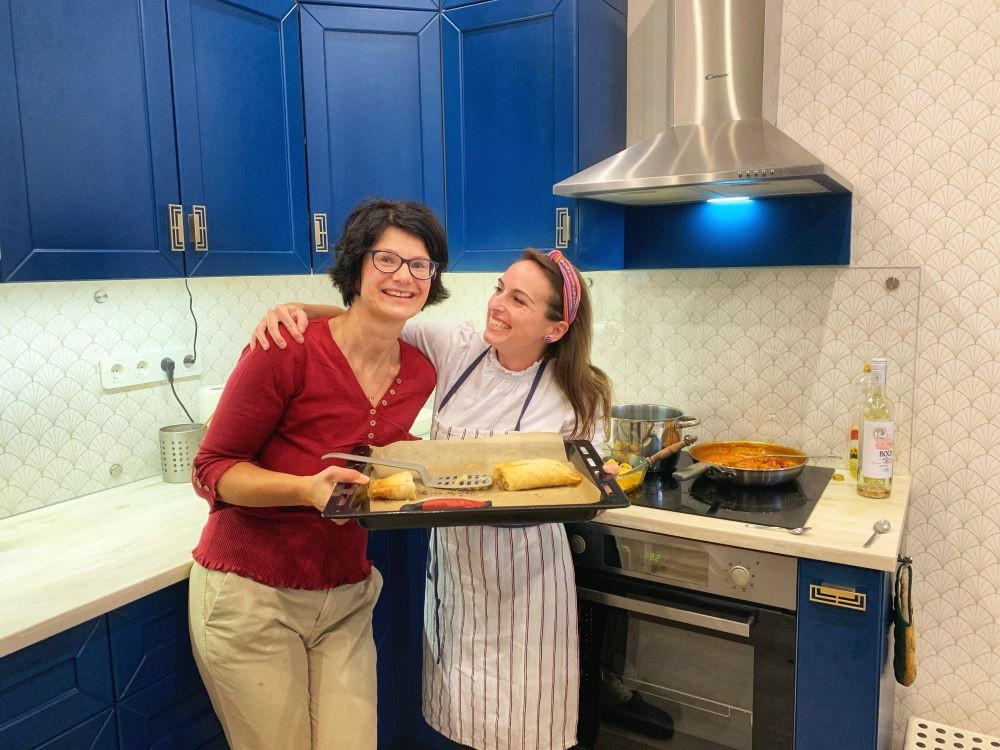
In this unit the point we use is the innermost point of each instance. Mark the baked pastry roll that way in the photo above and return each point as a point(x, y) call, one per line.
point(398, 486)
point(534, 473)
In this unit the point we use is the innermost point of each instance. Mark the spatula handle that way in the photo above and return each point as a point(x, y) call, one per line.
point(379, 461)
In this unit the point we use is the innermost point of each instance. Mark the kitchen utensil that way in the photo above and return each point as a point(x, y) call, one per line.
point(649, 430)
point(715, 462)
point(781, 455)
point(442, 481)
point(178, 447)
point(880, 527)
point(798, 530)
point(631, 479)
point(447, 503)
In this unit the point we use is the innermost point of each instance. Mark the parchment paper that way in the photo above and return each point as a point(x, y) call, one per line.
point(480, 455)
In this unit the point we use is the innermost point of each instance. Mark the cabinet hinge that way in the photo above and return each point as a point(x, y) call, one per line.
point(320, 237)
point(198, 219)
point(562, 228)
point(175, 217)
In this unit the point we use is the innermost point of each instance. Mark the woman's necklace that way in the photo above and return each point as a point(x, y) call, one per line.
point(374, 391)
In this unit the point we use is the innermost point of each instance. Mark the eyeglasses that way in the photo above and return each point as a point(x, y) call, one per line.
point(387, 261)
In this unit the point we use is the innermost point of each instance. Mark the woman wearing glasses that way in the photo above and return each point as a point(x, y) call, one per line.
point(280, 599)
point(501, 663)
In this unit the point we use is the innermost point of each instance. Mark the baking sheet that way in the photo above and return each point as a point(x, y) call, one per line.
point(480, 455)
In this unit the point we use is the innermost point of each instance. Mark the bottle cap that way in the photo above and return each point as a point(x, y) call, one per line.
point(878, 369)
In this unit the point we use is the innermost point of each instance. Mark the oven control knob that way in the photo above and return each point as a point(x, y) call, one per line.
point(577, 544)
point(739, 575)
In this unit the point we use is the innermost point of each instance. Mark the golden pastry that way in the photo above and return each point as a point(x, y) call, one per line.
point(398, 486)
point(534, 473)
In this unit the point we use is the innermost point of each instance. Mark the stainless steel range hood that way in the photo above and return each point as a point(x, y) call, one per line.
point(721, 64)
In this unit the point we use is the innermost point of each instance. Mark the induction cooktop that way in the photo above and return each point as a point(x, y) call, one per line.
point(787, 505)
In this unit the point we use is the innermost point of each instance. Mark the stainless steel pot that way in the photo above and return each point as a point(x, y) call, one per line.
point(648, 430)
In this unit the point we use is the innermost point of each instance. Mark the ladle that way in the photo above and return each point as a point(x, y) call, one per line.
point(880, 527)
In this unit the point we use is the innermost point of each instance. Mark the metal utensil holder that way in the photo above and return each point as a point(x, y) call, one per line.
point(178, 447)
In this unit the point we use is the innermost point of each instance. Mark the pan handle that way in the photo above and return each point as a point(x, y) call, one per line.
point(685, 422)
point(695, 470)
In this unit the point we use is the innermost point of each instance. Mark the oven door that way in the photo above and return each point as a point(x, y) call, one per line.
point(666, 668)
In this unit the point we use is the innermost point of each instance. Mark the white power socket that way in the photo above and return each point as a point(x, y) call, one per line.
point(143, 368)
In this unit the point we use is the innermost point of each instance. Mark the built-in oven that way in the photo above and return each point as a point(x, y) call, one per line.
point(684, 645)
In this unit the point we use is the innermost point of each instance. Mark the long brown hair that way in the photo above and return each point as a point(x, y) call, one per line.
point(586, 386)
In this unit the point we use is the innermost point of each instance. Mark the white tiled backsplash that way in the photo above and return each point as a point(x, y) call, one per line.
point(754, 353)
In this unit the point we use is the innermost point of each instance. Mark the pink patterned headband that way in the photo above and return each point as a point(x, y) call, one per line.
point(571, 286)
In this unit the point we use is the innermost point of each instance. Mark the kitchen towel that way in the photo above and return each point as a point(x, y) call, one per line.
point(904, 659)
point(208, 399)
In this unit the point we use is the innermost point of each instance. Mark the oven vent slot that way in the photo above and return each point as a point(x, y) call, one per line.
point(838, 596)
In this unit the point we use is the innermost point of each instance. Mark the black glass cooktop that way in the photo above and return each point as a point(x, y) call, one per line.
point(787, 505)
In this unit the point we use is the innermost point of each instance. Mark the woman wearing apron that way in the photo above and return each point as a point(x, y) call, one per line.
point(501, 663)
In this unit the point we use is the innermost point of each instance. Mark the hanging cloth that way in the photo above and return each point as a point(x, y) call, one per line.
point(904, 659)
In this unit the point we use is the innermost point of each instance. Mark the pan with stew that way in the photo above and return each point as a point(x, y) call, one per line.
point(744, 462)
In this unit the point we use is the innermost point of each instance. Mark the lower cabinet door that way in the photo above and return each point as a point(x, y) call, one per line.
point(98, 733)
point(52, 689)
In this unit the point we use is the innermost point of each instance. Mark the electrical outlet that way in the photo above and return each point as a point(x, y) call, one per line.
point(129, 370)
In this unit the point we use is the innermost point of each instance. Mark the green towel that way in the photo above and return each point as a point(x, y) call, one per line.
point(904, 660)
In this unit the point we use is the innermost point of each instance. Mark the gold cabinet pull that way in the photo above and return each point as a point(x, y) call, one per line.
point(837, 596)
point(562, 228)
point(175, 216)
point(320, 237)
point(199, 228)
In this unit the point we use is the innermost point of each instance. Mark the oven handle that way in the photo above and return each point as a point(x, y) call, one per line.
point(739, 627)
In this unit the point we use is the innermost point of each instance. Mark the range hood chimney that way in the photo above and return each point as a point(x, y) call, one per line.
point(717, 143)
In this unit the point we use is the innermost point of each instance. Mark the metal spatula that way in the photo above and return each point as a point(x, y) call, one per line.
point(443, 481)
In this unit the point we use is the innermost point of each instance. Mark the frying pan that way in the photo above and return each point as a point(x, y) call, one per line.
point(708, 463)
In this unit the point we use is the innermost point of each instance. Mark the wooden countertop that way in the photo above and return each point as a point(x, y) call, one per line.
point(70, 562)
point(65, 564)
point(841, 523)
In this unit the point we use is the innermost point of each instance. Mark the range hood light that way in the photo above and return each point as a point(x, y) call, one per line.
point(734, 199)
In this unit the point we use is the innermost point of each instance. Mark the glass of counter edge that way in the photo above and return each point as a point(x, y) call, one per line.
point(580, 452)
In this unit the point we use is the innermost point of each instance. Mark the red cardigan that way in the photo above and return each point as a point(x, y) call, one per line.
point(282, 410)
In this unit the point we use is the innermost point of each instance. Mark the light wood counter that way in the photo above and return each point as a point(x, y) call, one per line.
point(841, 523)
point(70, 562)
point(65, 564)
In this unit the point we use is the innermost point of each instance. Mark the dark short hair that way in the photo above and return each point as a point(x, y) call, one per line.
point(366, 224)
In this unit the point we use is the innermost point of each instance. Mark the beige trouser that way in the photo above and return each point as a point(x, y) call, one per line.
point(286, 669)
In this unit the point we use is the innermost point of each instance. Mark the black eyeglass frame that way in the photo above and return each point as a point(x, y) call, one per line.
point(434, 265)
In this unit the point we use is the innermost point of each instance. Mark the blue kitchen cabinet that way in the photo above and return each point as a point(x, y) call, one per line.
point(87, 155)
point(844, 681)
point(534, 90)
point(398, 4)
point(98, 182)
point(58, 693)
point(372, 91)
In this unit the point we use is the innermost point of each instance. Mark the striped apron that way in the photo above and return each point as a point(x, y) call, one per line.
point(501, 659)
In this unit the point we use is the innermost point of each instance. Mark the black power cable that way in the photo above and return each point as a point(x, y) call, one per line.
point(167, 365)
point(191, 358)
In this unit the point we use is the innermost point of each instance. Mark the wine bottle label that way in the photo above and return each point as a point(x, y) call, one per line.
point(876, 451)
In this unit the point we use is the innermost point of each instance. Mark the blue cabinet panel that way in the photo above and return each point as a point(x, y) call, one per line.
point(843, 670)
point(403, 4)
point(86, 140)
point(51, 687)
point(786, 231)
point(171, 714)
point(509, 95)
point(98, 733)
point(372, 86)
point(149, 639)
point(237, 95)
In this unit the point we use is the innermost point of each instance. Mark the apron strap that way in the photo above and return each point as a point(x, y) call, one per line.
point(534, 385)
point(462, 378)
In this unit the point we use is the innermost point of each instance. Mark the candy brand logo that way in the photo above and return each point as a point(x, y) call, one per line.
point(713, 76)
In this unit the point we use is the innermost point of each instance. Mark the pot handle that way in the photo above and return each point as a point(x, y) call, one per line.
point(695, 470)
point(685, 422)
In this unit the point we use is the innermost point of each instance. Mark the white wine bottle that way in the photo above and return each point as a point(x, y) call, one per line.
point(877, 438)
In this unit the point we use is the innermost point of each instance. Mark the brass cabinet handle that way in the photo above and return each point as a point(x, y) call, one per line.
point(321, 240)
point(198, 221)
point(562, 228)
point(175, 216)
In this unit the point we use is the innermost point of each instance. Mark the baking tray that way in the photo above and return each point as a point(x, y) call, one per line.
point(342, 504)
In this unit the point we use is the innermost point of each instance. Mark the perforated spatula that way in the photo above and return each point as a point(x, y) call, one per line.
point(442, 481)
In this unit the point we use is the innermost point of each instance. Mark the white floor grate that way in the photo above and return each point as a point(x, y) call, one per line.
point(922, 734)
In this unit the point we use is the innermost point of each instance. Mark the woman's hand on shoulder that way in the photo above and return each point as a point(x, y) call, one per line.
point(290, 315)
point(318, 487)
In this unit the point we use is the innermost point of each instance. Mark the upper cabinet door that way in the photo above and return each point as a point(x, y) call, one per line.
point(241, 150)
point(509, 107)
point(87, 156)
point(372, 87)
